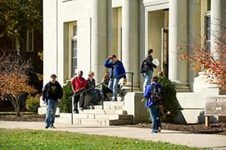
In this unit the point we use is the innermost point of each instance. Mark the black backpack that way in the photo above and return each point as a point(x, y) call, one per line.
point(144, 66)
point(156, 93)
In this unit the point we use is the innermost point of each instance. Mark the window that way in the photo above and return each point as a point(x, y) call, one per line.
point(30, 40)
point(207, 32)
point(74, 59)
point(208, 5)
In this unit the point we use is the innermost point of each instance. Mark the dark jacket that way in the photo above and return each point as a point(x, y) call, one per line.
point(91, 85)
point(148, 62)
point(117, 69)
point(52, 91)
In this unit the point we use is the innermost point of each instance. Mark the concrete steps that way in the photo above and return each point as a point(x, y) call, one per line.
point(111, 114)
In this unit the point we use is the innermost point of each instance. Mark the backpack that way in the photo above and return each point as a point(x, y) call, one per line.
point(156, 93)
point(144, 66)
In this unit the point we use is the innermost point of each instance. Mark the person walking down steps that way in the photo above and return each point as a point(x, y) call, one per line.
point(117, 72)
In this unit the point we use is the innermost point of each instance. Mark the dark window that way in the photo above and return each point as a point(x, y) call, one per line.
point(207, 32)
point(208, 5)
point(74, 58)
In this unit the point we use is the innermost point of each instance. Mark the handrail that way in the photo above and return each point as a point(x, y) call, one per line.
point(132, 74)
point(102, 83)
point(78, 93)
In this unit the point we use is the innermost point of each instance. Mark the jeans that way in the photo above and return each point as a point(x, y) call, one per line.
point(94, 96)
point(76, 100)
point(113, 85)
point(50, 112)
point(155, 117)
point(147, 78)
point(79, 98)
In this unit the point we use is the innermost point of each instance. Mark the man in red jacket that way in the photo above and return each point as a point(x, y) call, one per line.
point(78, 85)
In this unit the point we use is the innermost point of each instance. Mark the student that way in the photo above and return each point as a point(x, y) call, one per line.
point(104, 89)
point(153, 96)
point(91, 83)
point(78, 85)
point(147, 68)
point(117, 72)
point(51, 93)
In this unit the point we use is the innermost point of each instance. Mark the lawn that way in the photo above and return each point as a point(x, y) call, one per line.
point(49, 140)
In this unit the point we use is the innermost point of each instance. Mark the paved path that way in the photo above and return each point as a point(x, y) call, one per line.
point(193, 140)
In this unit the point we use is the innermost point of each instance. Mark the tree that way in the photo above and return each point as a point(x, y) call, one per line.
point(205, 60)
point(18, 16)
point(13, 79)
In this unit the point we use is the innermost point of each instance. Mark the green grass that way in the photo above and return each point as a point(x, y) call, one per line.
point(50, 140)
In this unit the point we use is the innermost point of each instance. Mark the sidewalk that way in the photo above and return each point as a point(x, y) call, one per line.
point(192, 140)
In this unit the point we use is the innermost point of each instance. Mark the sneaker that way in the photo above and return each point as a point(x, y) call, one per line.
point(47, 126)
point(91, 107)
point(75, 111)
point(154, 131)
point(159, 129)
point(114, 100)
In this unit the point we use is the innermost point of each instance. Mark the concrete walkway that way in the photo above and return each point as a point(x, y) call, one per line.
point(211, 141)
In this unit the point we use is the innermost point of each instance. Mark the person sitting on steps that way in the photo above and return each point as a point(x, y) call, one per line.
point(78, 85)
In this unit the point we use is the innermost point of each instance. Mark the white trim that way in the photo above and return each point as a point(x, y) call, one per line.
point(156, 5)
point(67, 0)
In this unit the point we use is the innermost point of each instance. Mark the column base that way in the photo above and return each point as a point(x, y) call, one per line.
point(182, 86)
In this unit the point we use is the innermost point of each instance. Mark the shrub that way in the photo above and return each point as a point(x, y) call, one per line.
point(170, 100)
point(32, 103)
point(65, 105)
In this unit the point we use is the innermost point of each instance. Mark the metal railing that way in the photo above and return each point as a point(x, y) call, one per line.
point(78, 93)
point(86, 90)
point(131, 78)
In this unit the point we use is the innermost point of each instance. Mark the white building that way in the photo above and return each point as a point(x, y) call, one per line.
point(80, 34)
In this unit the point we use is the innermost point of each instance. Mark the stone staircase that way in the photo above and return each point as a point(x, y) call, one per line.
point(112, 113)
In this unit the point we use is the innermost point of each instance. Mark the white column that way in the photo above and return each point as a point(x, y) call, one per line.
point(99, 37)
point(109, 26)
point(194, 33)
point(146, 31)
point(50, 39)
point(130, 37)
point(178, 70)
point(218, 23)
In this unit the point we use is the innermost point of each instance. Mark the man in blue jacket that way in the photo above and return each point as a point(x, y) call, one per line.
point(153, 96)
point(117, 72)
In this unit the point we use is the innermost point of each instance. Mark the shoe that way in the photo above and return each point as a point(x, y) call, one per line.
point(52, 126)
point(47, 126)
point(159, 129)
point(154, 131)
point(114, 100)
point(81, 108)
point(76, 111)
point(91, 107)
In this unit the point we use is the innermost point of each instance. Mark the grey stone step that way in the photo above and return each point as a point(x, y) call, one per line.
point(99, 107)
point(100, 122)
point(95, 119)
point(113, 105)
point(96, 111)
point(97, 116)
